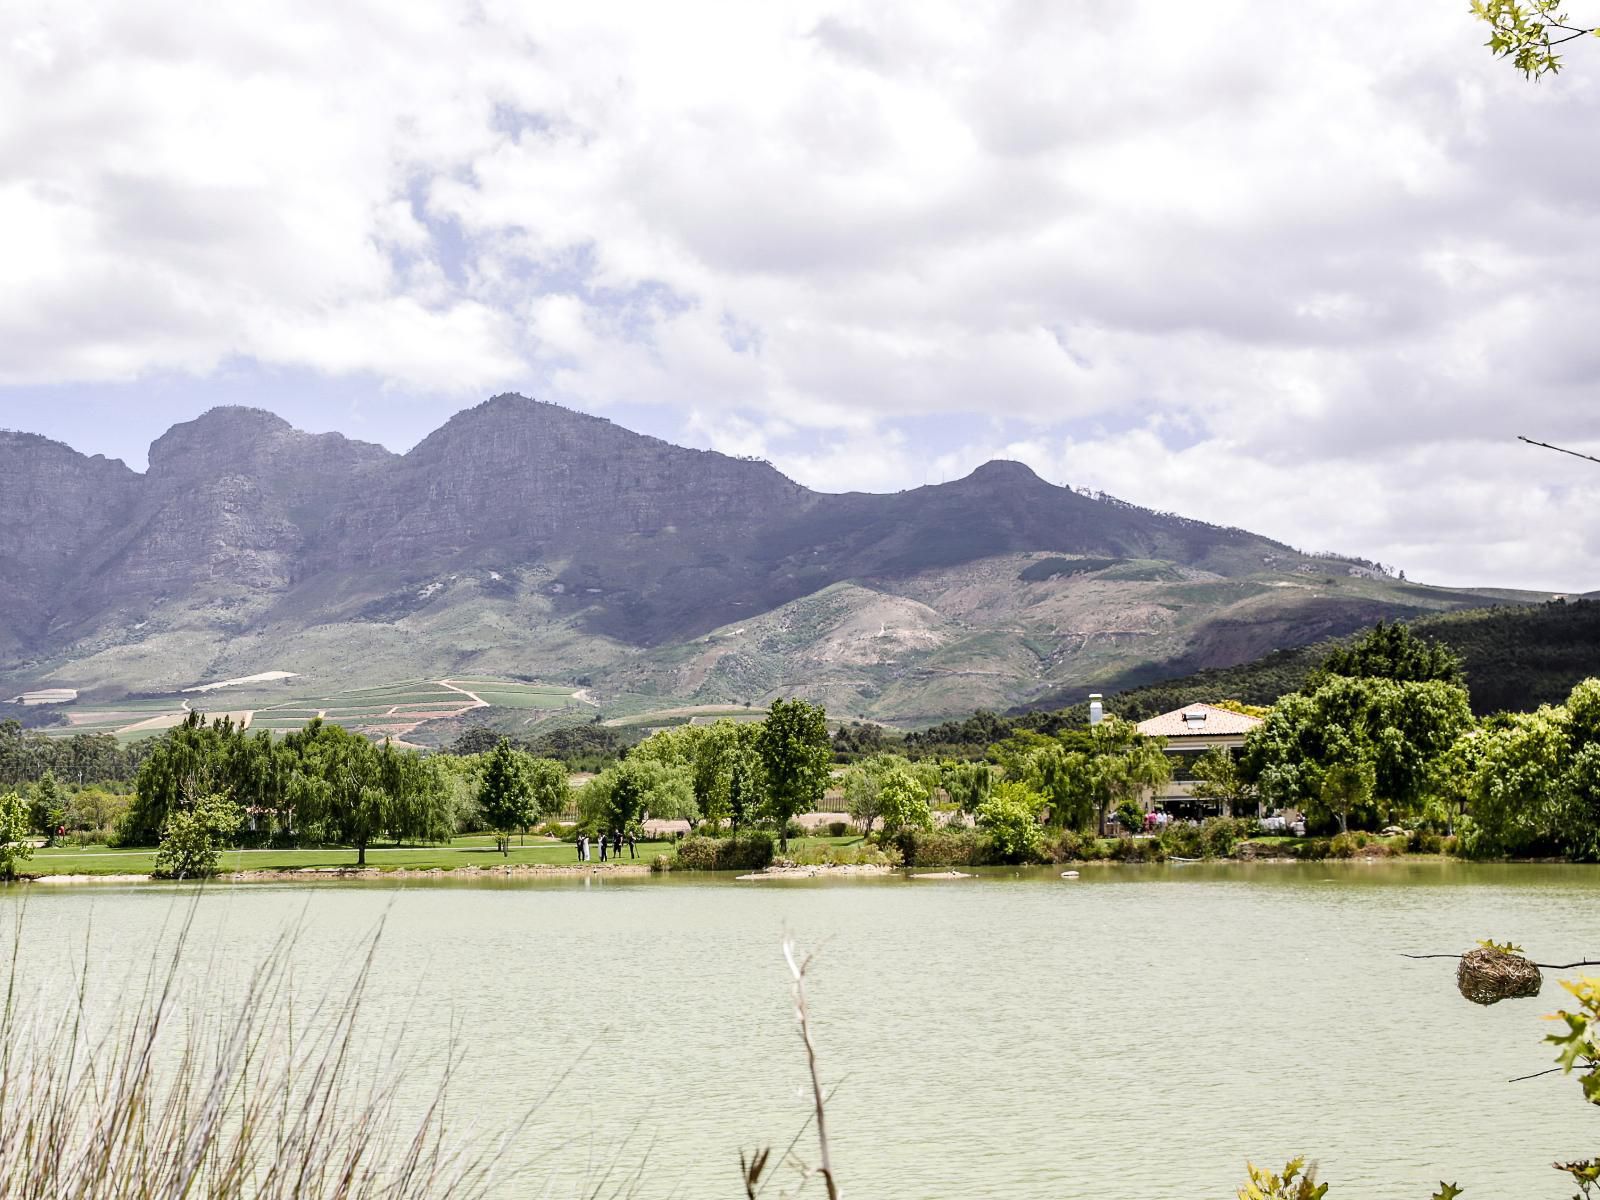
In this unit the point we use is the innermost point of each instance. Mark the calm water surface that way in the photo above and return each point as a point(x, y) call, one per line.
point(1139, 1032)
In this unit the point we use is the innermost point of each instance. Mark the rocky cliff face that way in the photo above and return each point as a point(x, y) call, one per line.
point(57, 505)
point(243, 523)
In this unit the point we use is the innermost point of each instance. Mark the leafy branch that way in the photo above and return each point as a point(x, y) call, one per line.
point(1528, 33)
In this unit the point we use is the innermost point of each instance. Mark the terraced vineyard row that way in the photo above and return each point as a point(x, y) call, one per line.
point(392, 710)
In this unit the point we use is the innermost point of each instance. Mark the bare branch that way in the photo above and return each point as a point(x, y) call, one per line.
point(1558, 449)
point(797, 969)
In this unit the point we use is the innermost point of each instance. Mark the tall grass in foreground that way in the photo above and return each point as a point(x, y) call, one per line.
point(248, 1096)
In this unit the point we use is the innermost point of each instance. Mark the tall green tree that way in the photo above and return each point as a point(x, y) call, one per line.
point(1217, 778)
point(796, 758)
point(1392, 651)
point(552, 791)
point(506, 797)
point(1126, 766)
point(47, 808)
point(1396, 732)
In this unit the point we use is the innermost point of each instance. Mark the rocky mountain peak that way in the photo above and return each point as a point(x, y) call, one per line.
point(218, 438)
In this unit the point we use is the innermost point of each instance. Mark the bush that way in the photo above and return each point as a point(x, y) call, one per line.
point(860, 854)
point(1220, 835)
point(1010, 823)
point(1424, 841)
point(192, 838)
point(939, 847)
point(743, 852)
point(1311, 849)
point(1130, 849)
point(1130, 816)
point(1182, 840)
point(838, 828)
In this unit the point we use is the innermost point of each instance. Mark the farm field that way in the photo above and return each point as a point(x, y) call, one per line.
point(391, 710)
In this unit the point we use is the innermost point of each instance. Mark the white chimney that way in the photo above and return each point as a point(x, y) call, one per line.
point(1097, 711)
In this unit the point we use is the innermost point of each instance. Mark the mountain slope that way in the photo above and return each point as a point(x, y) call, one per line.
point(1515, 659)
point(526, 539)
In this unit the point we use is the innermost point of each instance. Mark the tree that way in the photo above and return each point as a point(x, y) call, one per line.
point(94, 808)
point(192, 838)
point(551, 790)
point(1217, 778)
point(1128, 765)
point(904, 802)
point(506, 797)
point(968, 784)
point(48, 808)
point(747, 779)
point(796, 757)
point(1009, 819)
point(863, 787)
point(14, 844)
point(1528, 31)
point(353, 792)
point(1392, 651)
point(1396, 731)
point(1346, 786)
point(1070, 782)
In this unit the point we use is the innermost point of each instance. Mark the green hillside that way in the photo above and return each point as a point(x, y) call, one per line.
point(1516, 658)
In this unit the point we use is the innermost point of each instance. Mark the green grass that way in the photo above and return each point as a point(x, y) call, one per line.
point(463, 852)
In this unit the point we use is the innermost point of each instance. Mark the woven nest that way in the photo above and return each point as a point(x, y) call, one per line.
point(1489, 976)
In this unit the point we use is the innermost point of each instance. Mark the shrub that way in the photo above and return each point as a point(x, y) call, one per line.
point(939, 847)
point(1130, 815)
point(192, 838)
point(1311, 849)
point(1424, 841)
point(1182, 840)
point(660, 863)
point(1219, 835)
point(1131, 849)
point(742, 852)
point(860, 854)
point(838, 828)
point(1010, 824)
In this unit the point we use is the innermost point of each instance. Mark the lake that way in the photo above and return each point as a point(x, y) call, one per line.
point(1138, 1032)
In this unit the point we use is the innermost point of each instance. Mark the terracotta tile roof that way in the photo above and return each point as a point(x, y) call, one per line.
point(1194, 720)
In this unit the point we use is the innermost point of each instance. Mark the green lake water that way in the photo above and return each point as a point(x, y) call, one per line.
point(1138, 1032)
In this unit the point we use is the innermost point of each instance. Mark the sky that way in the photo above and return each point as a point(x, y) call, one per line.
point(1306, 269)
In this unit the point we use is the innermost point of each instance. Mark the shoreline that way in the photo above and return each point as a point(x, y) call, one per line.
point(311, 874)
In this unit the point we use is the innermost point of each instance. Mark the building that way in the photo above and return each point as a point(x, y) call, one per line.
point(1190, 731)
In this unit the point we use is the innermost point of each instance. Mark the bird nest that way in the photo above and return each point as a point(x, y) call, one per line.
point(1487, 976)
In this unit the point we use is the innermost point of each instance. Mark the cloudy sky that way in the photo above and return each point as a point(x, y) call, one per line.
point(1303, 268)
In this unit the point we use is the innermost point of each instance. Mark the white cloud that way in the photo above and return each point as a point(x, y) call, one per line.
point(1256, 262)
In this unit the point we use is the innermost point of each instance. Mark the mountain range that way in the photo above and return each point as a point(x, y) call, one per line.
point(527, 540)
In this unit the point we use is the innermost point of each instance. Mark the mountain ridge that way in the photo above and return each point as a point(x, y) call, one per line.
point(535, 540)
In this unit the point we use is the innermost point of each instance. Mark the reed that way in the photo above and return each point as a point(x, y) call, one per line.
point(245, 1095)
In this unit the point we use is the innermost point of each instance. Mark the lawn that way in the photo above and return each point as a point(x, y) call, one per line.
point(474, 851)
point(463, 852)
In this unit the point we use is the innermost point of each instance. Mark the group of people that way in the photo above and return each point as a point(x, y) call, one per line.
point(615, 838)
